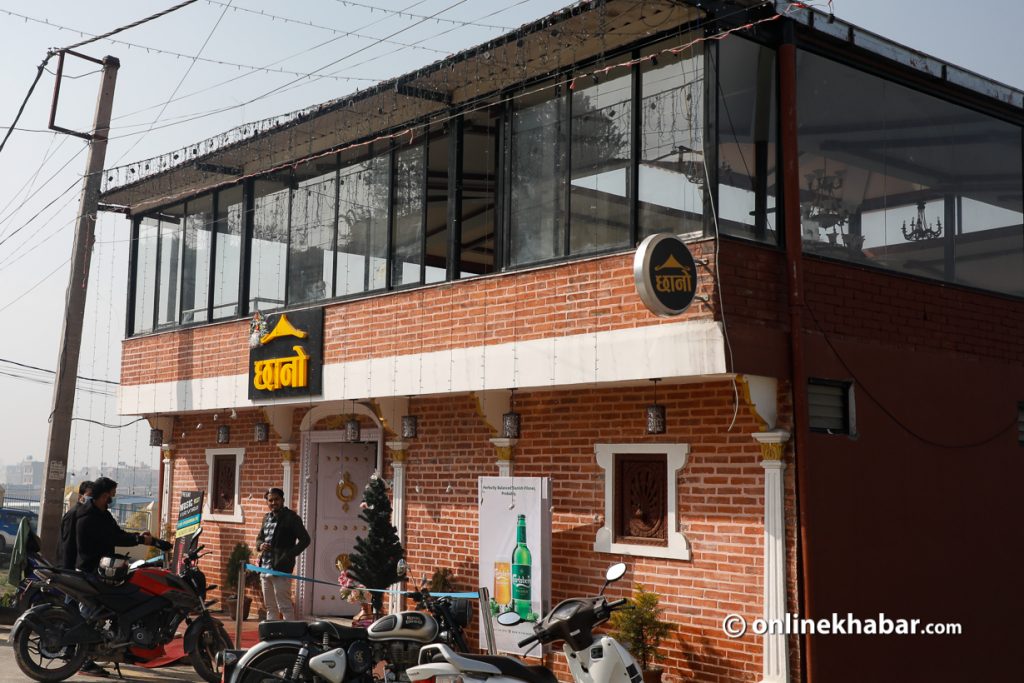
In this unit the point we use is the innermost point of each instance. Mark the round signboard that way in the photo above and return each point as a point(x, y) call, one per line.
point(665, 274)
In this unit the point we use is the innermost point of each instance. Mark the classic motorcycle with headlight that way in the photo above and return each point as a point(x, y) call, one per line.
point(125, 613)
point(322, 651)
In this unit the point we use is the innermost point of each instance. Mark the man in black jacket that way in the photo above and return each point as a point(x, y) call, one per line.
point(281, 539)
point(97, 530)
point(67, 552)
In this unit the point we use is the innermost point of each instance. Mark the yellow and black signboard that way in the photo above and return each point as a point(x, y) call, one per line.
point(665, 274)
point(286, 355)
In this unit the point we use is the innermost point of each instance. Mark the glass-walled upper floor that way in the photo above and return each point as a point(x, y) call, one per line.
point(592, 162)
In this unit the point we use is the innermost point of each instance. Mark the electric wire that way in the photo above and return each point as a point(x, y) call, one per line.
point(30, 289)
point(184, 76)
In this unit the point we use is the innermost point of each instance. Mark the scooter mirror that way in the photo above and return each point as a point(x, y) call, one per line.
point(615, 572)
point(509, 618)
point(402, 568)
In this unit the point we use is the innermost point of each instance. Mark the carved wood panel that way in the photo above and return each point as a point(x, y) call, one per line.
point(641, 505)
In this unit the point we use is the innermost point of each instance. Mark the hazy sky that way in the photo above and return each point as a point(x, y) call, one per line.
point(41, 170)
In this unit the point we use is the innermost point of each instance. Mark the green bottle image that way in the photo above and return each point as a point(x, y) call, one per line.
point(521, 569)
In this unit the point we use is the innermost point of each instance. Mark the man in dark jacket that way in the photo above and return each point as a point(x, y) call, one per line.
point(281, 539)
point(97, 530)
point(67, 552)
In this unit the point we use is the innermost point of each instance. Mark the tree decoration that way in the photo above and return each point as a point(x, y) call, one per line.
point(374, 561)
point(640, 627)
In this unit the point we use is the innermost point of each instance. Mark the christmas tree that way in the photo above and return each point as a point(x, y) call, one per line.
point(374, 561)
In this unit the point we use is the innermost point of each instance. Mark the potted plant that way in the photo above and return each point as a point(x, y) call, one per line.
point(240, 555)
point(641, 629)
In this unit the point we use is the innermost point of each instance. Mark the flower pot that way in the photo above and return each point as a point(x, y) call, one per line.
point(653, 675)
point(231, 606)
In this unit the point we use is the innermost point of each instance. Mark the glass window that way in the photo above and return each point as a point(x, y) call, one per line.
point(407, 212)
point(601, 159)
point(671, 165)
point(903, 180)
point(311, 249)
point(228, 252)
point(436, 269)
point(747, 180)
point(268, 251)
point(145, 275)
point(195, 283)
point(169, 287)
point(537, 219)
point(363, 225)
point(479, 194)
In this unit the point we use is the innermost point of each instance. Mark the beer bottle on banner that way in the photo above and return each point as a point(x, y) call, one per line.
point(521, 569)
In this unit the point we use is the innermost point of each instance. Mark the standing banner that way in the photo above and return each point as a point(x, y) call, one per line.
point(515, 553)
point(190, 514)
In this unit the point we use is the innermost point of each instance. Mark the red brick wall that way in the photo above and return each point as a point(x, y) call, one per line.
point(573, 298)
point(720, 496)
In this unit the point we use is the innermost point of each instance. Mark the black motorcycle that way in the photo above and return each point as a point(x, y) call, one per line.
point(124, 614)
point(322, 651)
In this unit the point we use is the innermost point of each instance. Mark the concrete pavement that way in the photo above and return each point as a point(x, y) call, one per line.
point(10, 673)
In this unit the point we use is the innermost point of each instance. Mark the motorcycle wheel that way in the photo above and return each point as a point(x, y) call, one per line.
point(39, 654)
point(275, 667)
point(212, 640)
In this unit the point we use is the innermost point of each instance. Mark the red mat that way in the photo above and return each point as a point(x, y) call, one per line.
point(175, 650)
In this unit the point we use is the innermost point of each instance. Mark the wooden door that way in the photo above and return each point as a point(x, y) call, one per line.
point(343, 470)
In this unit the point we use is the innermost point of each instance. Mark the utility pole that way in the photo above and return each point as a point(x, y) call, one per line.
point(59, 439)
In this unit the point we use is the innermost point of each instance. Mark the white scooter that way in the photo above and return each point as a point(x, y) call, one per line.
point(591, 658)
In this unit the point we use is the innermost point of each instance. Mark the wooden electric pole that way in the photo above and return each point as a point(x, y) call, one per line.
point(59, 439)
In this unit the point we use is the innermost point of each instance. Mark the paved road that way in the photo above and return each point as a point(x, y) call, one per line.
point(10, 673)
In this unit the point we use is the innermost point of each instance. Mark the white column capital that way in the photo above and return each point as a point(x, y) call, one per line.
point(773, 444)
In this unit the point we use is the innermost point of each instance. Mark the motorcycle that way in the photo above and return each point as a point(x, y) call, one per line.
point(126, 618)
point(322, 651)
point(591, 658)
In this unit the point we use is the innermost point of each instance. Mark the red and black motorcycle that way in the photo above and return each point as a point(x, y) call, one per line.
point(124, 614)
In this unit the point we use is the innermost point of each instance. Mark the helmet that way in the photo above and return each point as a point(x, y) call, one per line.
point(113, 570)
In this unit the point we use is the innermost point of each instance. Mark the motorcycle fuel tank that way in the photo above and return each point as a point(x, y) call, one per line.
point(416, 626)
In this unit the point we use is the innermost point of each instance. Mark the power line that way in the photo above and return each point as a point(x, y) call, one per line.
point(172, 53)
point(45, 278)
point(422, 17)
point(131, 25)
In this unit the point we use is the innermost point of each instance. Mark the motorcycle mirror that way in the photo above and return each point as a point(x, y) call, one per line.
point(509, 618)
point(614, 573)
point(402, 569)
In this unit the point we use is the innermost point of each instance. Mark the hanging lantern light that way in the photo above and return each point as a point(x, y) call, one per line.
point(510, 421)
point(156, 437)
point(410, 426)
point(261, 432)
point(655, 413)
point(223, 434)
point(352, 431)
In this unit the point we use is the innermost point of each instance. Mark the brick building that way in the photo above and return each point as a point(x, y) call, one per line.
point(841, 398)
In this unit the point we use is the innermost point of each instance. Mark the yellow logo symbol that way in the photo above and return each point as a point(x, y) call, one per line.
point(681, 281)
point(283, 328)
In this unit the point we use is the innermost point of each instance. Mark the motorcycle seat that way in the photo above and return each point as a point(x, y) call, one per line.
point(515, 669)
point(336, 631)
point(282, 630)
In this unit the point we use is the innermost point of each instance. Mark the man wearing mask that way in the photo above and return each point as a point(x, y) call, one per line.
point(67, 552)
point(281, 539)
point(97, 530)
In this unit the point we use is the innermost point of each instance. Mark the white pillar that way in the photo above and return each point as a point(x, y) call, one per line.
point(775, 657)
point(165, 495)
point(503, 448)
point(287, 458)
point(398, 455)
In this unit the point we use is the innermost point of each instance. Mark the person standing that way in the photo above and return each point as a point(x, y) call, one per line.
point(67, 551)
point(281, 539)
point(98, 533)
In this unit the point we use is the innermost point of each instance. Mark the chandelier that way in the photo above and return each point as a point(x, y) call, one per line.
point(920, 228)
point(825, 206)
